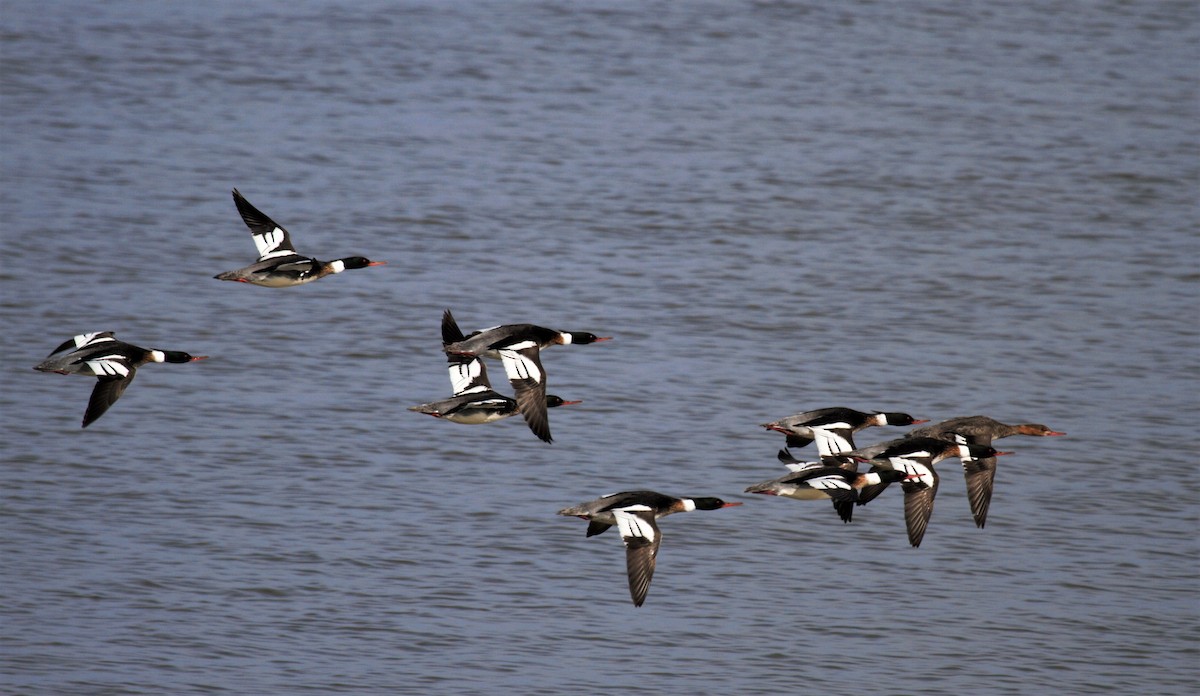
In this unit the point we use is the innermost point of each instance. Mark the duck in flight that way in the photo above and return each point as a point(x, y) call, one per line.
point(474, 400)
point(915, 457)
point(809, 481)
point(278, 265)
point(980, 472)
point(635, 513)
point(114, 363)
point(518, 346)
point(833, 428)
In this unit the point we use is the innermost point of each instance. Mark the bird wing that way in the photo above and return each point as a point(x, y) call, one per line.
point(450, 331)
point(642, 538)
point(787, 459)
point(270, 238)
point(523, 364)
point(839, 489)
point(467, 375)
point(105, 394)
point(981, 476)
point(797, 441)
point(918, 506)
point(84, 339)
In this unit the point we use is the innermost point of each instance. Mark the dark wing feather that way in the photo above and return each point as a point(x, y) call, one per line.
point(844, 508)
point(640, 557)
point(450, 331)
point(980, 474)
point(797, 440)
point(870, 492)
point(105, 394)
point(595, 528)
point(918, 507)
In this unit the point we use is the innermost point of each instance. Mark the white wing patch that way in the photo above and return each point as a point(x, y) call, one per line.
point(268, 244)
point(801, 466)
point(823, 483)
point(108, 366)
point(88, 338)
point(830, 442)
point(913, 468)
point(519, 367)
point(632, 526)
point(464, 375)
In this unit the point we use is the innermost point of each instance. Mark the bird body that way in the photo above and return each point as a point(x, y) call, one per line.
point(821, 482)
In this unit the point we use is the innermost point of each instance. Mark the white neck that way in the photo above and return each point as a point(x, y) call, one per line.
point(872, 477)
point(157, 356)
point(566, 338)
point(337, 266)
point(881, 419)
point(688, 505)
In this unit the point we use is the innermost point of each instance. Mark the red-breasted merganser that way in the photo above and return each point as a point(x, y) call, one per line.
point(833, 428)
point(821, 482)
point(635, 514)
point(278, 265)
point(518, 346)
point(981, 472)
point(915, 456)
point(112, 362)
point(474, 400)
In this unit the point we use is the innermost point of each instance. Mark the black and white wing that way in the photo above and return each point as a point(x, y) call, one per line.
point(787, 459)
point(642, 538)
point(272, 240)
point(918, 499)
point(839, 489)
point(833, 441)
point(523, 364)
point(84, 339)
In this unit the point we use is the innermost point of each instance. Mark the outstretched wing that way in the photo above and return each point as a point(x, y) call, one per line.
point(981, 477)
point(105, 394)
point(272, 240)
point(918, 507)
point(523, 365)
point(642, 538)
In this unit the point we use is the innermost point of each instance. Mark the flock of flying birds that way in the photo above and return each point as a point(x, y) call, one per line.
point(834, 475)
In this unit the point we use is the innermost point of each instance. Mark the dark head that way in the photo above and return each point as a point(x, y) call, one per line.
point(583, 337)
point(553, 401)
point(359, 262)
point(1037, 430)
point(983, 451)
point(178, 356)
point(711, 503)
point(902, 419)
point(891, 475)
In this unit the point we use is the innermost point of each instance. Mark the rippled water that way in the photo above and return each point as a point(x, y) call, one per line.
point(940, 208)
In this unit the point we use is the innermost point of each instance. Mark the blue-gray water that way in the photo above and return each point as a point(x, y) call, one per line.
point(944, 208)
